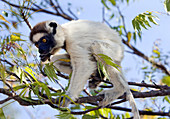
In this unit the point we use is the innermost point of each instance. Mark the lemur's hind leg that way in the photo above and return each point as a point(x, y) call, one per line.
point(120, 85)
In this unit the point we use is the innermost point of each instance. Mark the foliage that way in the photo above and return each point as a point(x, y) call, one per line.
point(167, 5)
point(142, 20)
point(28, 82)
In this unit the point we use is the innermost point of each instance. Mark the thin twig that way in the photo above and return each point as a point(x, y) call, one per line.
point(26, 21)
point(149, 85)
point(123, 19)
point(60, 85)
point(76, 18)
point(140, 54)
point(85, 90)
point(4, 60)
point(40, 10)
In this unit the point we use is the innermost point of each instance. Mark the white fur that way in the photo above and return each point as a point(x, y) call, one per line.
point(37, 37)
point(83, 38)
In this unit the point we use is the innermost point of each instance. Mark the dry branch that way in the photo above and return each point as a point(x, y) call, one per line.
point(90, 100)
point(65, 16)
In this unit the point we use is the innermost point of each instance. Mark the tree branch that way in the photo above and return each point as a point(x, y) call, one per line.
point(40, 10)
point(140, 54)
point(141, 112)
point(94, 99)
point(91, 100)
point(26, 20)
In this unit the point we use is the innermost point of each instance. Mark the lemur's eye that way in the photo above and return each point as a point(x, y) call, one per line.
point(44, 40)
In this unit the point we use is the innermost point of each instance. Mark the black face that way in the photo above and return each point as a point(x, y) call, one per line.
point(45, 45)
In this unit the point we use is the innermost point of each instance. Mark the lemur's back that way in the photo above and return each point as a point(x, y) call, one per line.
point(92, 30)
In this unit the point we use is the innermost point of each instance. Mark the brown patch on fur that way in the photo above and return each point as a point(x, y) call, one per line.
point(38, 28)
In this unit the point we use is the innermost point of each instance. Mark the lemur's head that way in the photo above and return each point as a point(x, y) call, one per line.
point(48, 37)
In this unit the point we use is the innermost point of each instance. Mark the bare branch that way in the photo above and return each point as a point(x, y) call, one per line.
point(91, 99)
point(149, 85)
point(153, 93)
point(4, 60)
point(140, 112)
point(76, 18)
point(122, 109)
point(140, 54)
point(5, 100)
point(123, 19)
point(65, 16)
point(26, 20)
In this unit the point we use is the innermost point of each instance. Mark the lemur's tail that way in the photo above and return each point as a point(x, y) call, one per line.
point(135, 111)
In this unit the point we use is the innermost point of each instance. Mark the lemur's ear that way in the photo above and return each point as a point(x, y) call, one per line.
point(54, 25)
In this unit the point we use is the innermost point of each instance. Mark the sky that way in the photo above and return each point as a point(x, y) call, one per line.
point(92, 10)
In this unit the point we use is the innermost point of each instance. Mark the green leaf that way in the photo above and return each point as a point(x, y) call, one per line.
point(156, 52)
point(20, 73)
point(167, 98)
point(112, 16)
point(167, 5)
point(142, 24)
point(19, 87)
point(31, 73)
point(143, 20)
point(134, 37)
point(29, 93)
point(50, 71)
point(152, 20)
point(58, 93)
point(133, 24)
point(104, 3)
point(113, 2)
point(166, 80)
point(27, 99)
point(87, 116)
point(137, 25)
point(23, 92)
point(2, 115)
point(105, 112)
point(104, 70)
point(36, 90)
point(129, 35)
point(109, 62)
point(46, 89)
point(65, 115)
point(104, 56)
point(16, 38)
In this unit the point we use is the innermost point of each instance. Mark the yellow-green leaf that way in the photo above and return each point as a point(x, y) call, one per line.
point(2, 115)
point(16, 38)
point(2, 18)
point(166, 80)
point(129, 35)
point(167, 5)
